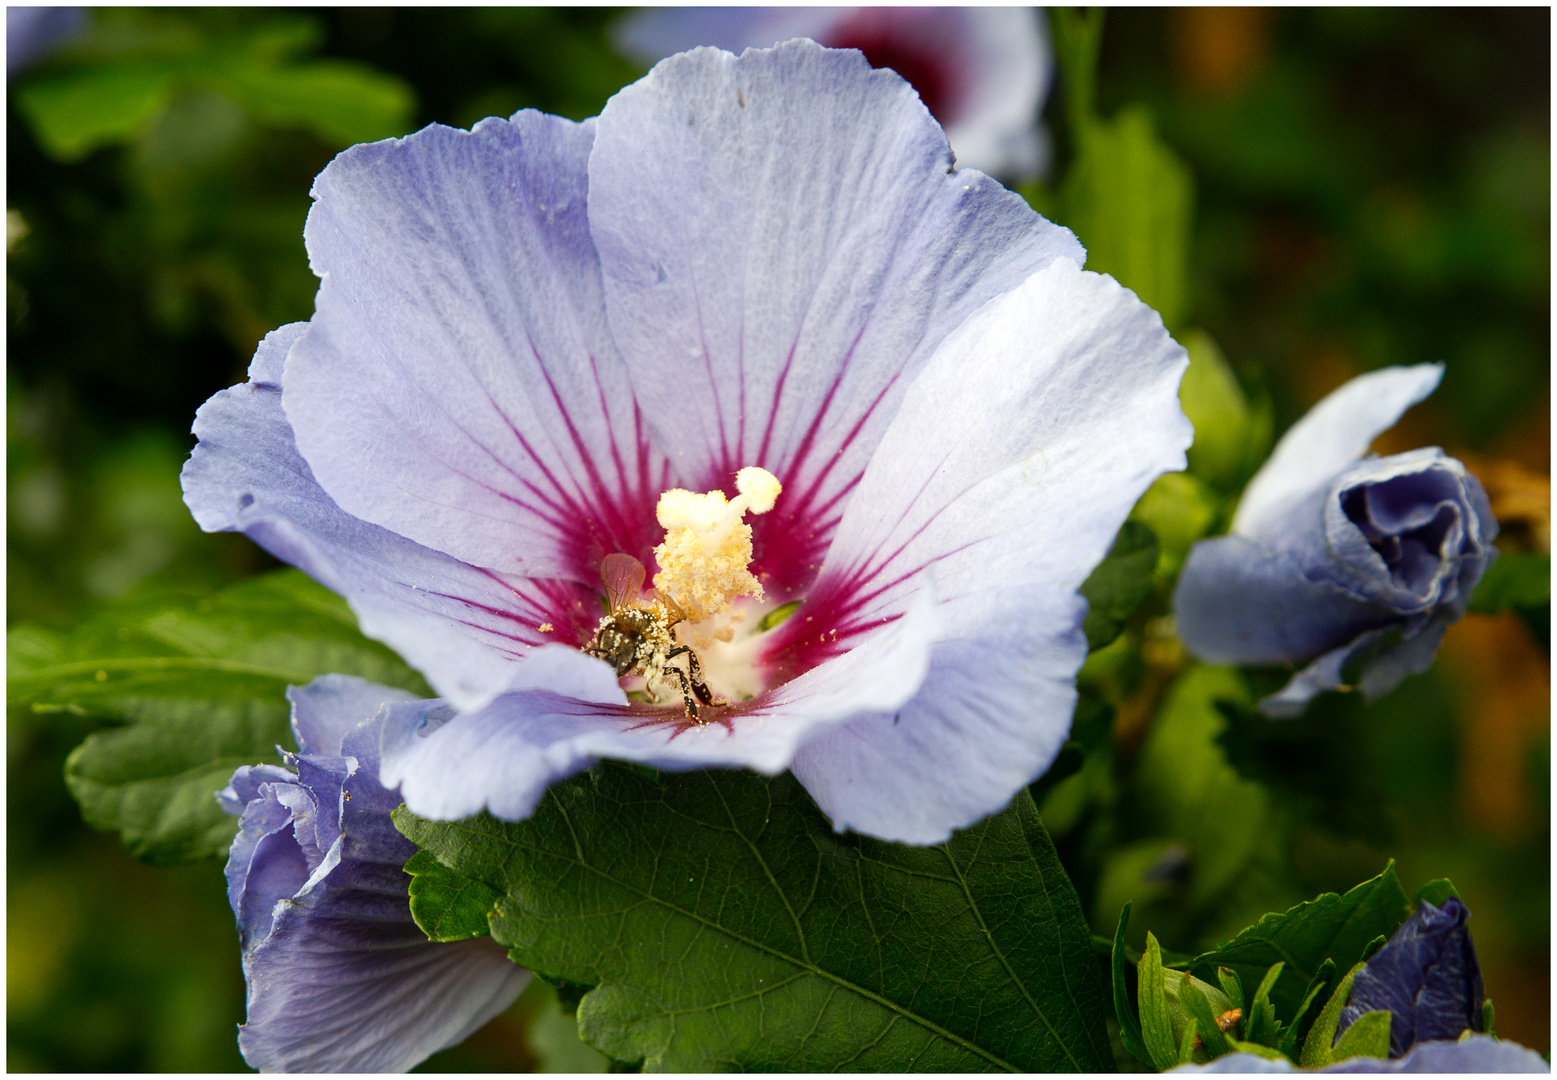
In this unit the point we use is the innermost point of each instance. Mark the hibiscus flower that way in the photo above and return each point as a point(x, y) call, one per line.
point(527, 334)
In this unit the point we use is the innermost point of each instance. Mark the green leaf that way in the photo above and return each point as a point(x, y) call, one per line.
point(1129, 1026)
point(1130, 201)
point(554, 1037)
point(1180, 509)
point(1435, 892)
point(343, 103)
point(447, 906)
point(195, 686)
point(1156, 1022)
point(1120, 583)
point(1216, 405)
point(723, 924)
point(1321, 1037)
point(1487, 1018)
point(76, 112)
point(1186, 1053)
point(1367, 1037)
point(1191, 793)
point(1514, 581)
point(1198, 1007)
point(1078, 38)
point(1337, 928)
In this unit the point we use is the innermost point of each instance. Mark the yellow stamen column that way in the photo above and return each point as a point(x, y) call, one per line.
point(707, 550)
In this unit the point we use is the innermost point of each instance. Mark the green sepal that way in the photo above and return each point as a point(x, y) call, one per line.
point(1319, 984)
point(1368, 1036)
point(1257, 1049)
point(1156, 1024)
point(1129, 1026)
point(1436, 892)
point(1321, 1037)
point(1198, 1007)
point(1187, 1044)
point(1487, 1026)
point(1232, 985)
point(1372, 947)
point(447, 906)
point(1262, 1025)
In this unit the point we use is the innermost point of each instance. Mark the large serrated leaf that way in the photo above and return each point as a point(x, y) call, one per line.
point(723, 925)
point(194, 688)
point(1329, 927)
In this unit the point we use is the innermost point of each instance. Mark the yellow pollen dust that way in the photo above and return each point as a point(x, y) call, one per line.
point(703, 561)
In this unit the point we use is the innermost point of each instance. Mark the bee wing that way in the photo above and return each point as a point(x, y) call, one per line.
point(622, 576)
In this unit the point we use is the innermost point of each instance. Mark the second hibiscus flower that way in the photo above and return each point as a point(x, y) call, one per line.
point(527, 333)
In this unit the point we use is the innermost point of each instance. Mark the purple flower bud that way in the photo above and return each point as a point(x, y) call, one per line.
point(1426, 976)
point(1337, 559)
point(340, 979)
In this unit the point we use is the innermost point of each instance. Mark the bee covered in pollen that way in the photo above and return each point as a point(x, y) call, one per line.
point(637, 635)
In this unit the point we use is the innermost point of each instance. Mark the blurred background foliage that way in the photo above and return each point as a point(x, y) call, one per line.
point(1321, 192)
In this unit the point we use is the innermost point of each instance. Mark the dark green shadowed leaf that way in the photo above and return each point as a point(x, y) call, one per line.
point(1129, 1026)
point(723, 925)
point(1514, 581)
point(447, 906)
point(1332, 927)
point(194, 688)
point(1320, 988)
point(1120, 584)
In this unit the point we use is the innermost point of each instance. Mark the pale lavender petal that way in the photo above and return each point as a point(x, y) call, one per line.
point(503, 757)
point(1422, 510)
point(784, 244)
point(1238, 601)
point(326, 710)
point(1322, 673)
point(243, 788)
point(1332, 435)
point(981, 71)
point(1013, 462)
point(1240, 1063)
point(265, 864)
point(463, 627)
point(1475, 1054)
point(457, 383)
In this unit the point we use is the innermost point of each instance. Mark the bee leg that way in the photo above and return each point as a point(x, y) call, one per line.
point(686, 691)
point(695, 670)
